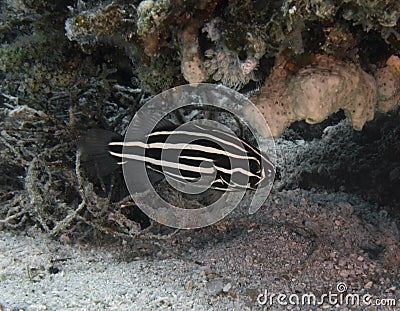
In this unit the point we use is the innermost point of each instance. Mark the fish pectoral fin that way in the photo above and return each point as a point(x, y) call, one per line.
point(154, 175)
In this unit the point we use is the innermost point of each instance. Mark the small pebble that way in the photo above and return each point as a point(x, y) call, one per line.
point(214, 287)
point(344, 273)
point(368, 285)
point(227, 287)
point(189, 285)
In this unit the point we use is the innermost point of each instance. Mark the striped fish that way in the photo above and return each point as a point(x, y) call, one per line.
point(189, 154)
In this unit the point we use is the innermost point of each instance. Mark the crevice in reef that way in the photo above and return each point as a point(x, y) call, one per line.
point(365, 163)
point(303, 130)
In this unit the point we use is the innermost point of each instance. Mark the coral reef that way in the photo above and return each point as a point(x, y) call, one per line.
point(327, 85)
point(29, 69)
point(272, 100)
point(372, 14)
point(68, 65)
point(380, 16)
point(151, 14)
point(157, 27)
point(215, 40)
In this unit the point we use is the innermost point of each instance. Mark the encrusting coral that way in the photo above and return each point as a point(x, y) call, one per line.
point(225, 65)
point(388, 80)
point(327, 85)
point(191, 63)
point(93, 25)
point(324, 87)
point(272, 100)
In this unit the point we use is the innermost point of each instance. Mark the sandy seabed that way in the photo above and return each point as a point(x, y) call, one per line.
point(301, 244)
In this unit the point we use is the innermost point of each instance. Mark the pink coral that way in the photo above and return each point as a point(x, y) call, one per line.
point(388, 81)
point(327, 85)
point(272, 100)
point(316, 91)
point(191, 63)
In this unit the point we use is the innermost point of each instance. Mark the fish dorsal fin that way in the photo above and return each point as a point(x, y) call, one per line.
point(165, 124)
point(141, 123)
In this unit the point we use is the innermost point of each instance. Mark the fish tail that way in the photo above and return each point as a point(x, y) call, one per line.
point(96, 159)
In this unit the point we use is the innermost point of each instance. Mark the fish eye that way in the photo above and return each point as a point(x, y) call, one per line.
point(254, 167)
